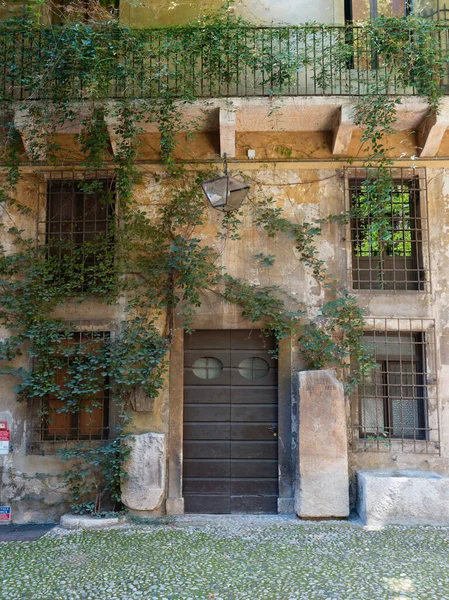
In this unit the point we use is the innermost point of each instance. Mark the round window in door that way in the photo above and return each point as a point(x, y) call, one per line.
point(207, 367)
point(254, 368)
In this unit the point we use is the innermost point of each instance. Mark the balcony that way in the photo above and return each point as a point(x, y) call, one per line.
point(111, 62)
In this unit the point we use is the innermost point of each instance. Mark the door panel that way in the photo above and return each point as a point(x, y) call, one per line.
point(253, 504)
point(254, 468)
point(207, 449)
point(255, 395)
point(230, 461)
point(207, 395)
point(216, 504)
point(258, 450)
point(254, 412)
point(201, 485)
point(255, 431)
point(207, 412)
point(206, 468)
point(207, 431)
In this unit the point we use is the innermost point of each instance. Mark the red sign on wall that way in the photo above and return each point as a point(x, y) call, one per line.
point(5, 436)
point(5, 513)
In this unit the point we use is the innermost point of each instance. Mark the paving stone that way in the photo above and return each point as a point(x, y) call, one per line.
point(230, 558)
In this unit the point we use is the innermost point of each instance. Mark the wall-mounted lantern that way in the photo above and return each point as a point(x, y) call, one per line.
point(225, 193)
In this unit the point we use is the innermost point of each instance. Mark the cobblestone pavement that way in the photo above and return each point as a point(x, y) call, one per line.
point(233, 558)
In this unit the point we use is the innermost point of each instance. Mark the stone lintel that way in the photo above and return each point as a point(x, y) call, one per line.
point(322, 488)
point(432, 129)
point(227, 124)
point(342, 134)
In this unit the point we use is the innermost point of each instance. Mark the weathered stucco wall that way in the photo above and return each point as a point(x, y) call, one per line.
point(264, 12)
point(306, 191)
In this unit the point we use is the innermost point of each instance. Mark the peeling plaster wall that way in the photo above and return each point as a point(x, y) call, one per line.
point(261, 12)
point(305, 193)
point(157, 13)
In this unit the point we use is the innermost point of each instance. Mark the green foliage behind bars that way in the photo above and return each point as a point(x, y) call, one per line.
point(157, 261)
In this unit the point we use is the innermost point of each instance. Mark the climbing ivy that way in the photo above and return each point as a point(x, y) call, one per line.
point(154, 258)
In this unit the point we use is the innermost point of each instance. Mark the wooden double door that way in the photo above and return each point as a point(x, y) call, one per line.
point(230, 448)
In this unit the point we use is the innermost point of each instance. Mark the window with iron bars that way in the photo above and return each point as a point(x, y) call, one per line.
point(397, 261)
point(67, 416)
point(77, 223)
point(397, 398)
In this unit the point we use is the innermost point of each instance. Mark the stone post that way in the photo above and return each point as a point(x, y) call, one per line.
point(144, 488)
point(322, 485)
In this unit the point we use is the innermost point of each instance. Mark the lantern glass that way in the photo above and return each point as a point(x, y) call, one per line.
point(237, 192)
point(225, 193)
point(216, 191)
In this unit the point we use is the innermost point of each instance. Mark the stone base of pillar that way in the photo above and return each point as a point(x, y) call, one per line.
point(174, 506)
point(286, 506)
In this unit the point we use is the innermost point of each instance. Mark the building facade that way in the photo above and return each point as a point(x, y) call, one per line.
point(230, 430)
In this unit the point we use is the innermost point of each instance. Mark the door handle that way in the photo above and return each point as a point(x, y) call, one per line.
point(274, 429)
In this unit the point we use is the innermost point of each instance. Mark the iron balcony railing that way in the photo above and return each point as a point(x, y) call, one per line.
point(110, 62)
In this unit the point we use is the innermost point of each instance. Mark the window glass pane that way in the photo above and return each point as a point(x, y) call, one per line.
point(91, 416)
point(372, 407)
point(391, 346)
point(405, 396)
point(207, 367)
point(254, 368)
point(58, 424)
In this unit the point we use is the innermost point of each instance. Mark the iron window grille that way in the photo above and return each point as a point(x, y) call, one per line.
point(56, 427)
point(77, 220)
point(399, 260)
point(397, 399)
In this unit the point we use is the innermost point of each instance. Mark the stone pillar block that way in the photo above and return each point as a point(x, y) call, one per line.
point(322, 487)
point(144, 489)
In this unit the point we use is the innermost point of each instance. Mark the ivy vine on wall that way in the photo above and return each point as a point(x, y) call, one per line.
point(157, 262)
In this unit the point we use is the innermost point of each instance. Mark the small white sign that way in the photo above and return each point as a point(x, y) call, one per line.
point(4, 447)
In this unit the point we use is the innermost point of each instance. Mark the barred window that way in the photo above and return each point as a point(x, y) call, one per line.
point(78, 225)
point(69, 414)
point(393, 392)
point(394, 261)
point(394, 396)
